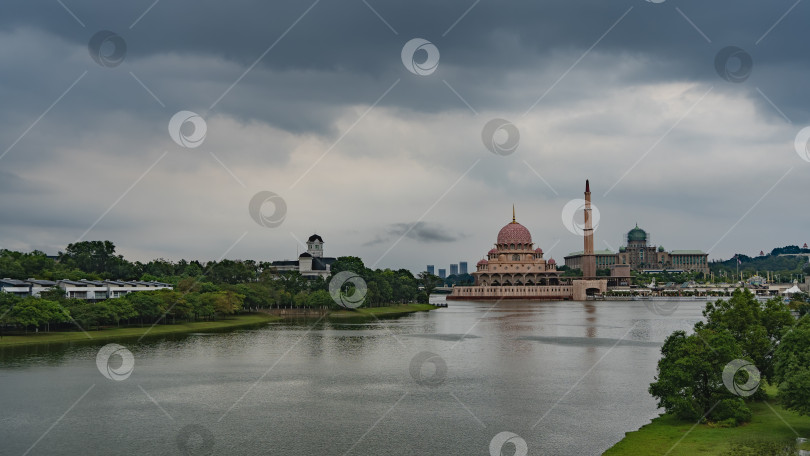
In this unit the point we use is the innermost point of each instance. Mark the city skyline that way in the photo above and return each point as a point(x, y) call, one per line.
point(92, 147)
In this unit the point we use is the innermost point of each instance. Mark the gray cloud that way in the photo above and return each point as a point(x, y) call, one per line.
point(421, 232)
point(303, 114)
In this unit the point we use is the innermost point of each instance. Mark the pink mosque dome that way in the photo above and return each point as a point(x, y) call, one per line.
point(538, 250)
point(491, 251)
point(551, 261)
point(514, 233)
point(483, 262)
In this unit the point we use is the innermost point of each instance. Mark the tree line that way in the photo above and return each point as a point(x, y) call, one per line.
point(201, 290)
point(97, 260)
point(783, 266)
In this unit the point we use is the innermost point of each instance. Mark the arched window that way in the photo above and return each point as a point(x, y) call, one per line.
point(512, 246)
point(516, 257)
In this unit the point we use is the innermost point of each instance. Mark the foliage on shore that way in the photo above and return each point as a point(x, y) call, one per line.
point(236, 321)
point(699, 375)
point(203, 291)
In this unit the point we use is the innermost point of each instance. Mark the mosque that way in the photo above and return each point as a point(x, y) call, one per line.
point(515, 270)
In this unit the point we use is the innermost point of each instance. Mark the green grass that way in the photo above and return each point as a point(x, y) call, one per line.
point(381, 311)
point(136, 331)
point(200, 326)
point(663, 434)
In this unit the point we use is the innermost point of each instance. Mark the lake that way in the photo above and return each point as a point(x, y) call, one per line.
point(566, 378)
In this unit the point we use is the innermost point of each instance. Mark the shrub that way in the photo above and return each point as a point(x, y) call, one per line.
point(732, 411)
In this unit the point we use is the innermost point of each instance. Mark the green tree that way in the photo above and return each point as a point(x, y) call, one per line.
point(7, 302)
point(755, 326)
point(689, 383)
point(10, 266)
point(429, 282)
point(201, 307)
point(293, 281)
point(174, 304)
point(222, 302)
point(147, 305)
point(122, 309)
point(300, 299)
point(349, 263)
point(27, 313)
point(320, 299)
point(88, 314)
point(792, 367)
point(53, 312)
point(90, 256)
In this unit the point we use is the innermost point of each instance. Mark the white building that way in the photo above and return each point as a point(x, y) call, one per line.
point(79, 289)
point(15, 287)
point(97, 290)
point(311, 263)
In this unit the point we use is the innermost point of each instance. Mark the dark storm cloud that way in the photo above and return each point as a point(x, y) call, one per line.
point(421, 232)
point(90, 143)
point(347, 41)
point(347, 34)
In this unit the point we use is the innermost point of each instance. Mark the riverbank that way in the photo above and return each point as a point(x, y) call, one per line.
point(388, 311)
point(237, 321)
point(667, 435)
point(365, 312)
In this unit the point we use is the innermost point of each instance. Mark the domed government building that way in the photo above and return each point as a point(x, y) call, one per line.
point(515, 269)
point(640, 256)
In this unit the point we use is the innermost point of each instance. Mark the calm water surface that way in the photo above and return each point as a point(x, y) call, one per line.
point(569, 378)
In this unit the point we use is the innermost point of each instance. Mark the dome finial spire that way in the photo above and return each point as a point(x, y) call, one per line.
point(513, 213)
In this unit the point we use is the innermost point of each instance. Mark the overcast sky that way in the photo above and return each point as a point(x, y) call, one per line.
point(383, 154)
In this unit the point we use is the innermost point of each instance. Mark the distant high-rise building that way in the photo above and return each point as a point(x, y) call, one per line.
point(431, 269)
point(453, 269)
point(462, 267)
point(443, 273)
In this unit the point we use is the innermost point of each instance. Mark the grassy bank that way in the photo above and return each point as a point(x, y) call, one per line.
point(381, 311)
point(137, 331)
point(770, 423)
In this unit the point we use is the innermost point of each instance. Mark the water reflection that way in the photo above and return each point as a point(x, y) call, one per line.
point(308, 387)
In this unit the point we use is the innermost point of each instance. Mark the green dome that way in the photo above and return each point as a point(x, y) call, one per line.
point(660, 248)
point(636, 234)
point(622, 249)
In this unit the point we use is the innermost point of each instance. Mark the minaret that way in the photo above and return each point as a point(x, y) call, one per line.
point(588, 260)
point(513, 214)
